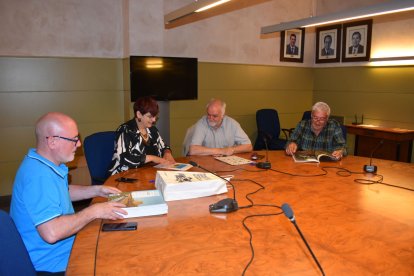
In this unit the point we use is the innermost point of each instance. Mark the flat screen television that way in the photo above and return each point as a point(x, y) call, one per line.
point(164, 78)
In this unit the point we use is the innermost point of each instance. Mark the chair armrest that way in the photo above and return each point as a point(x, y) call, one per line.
point(287, 132)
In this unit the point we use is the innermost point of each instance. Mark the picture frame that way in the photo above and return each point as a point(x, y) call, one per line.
point(328, 44)
point(294, 52)
point(356, 41)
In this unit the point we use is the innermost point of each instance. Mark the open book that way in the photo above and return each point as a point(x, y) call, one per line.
point(313, 156)
point(141, 203)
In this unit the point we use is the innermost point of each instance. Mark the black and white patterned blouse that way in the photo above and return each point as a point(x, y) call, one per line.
point(131, 149)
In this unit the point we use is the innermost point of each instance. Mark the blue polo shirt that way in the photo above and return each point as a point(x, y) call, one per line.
point(41, 193)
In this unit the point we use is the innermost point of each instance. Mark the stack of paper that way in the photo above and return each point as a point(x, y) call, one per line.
point(142, 203)
point(185, 185)
point(233, 160)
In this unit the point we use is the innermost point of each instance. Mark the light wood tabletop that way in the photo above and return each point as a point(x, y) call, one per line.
point(352, 228)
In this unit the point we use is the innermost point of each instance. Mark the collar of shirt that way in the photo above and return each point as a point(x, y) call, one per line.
point(61, 170)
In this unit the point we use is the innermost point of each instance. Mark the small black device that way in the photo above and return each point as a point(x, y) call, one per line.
point(371, 168)
point(226, 205)
point(126, 179)
point(123, 226)
point(256, 156)
point(266, 164)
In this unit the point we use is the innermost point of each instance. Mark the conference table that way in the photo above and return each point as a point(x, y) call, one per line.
point(353, 227)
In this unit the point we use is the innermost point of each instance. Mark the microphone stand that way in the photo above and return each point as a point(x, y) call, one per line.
point(369, 168)
point(307, 245)
point(266, 164)
point(289, 214)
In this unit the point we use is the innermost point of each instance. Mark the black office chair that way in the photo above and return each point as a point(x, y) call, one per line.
point(268, 127)
point(14, 258)
point(99, 149)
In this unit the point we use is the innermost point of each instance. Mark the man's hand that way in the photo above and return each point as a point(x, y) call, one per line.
point(291, 148)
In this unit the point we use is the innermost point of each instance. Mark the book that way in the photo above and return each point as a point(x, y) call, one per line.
point(313, 156)
point(233, 160)
point(175, 166)
point(141, 203)
point(185, 185)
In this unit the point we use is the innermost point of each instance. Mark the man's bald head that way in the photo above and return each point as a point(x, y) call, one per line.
point(52, 124)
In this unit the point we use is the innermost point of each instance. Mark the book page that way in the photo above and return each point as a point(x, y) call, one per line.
point(233, 160)
point(304, 156)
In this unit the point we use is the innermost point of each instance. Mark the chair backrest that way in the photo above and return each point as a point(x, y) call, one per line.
point(99, 149)
point(268, 128)
point(307, 115)
point(267, 121)
point(14, 259)
point(187, 139)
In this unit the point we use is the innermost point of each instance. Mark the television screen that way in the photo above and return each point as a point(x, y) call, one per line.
point(164, 78)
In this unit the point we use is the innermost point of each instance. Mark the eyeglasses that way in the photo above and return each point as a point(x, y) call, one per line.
point(319, 119)
point(213, 115)
point(149, 115)
point(74, 140)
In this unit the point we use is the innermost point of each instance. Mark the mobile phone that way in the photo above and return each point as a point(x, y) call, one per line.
point(123, 226)
point(256, 156)
point(126, 179)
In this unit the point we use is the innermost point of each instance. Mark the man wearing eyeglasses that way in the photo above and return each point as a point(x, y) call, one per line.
point(41, 205)
point(318, 134)
point(218, 134)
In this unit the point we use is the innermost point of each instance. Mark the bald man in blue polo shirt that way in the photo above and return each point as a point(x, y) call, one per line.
point(41, 205)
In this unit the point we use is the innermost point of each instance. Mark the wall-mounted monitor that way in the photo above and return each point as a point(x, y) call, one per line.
point(164, 78)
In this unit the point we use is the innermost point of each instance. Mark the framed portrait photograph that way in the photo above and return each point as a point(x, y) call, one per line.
point(328, 44)
point(292, 43)
point(356, 41)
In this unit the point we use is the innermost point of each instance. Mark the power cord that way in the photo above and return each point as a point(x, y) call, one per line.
point(252, 204)
point(250, 232)
point(363, 181)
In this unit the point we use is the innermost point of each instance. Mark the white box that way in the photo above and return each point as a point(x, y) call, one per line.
point(185, 185)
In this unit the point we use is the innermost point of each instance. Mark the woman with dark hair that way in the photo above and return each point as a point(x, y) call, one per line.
point(138, 141)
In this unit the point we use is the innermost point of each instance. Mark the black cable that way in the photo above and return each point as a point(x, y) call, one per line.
point(251, 193)
point(341, 172)
point(345, 173)
point(252, 204)
point(251, 235)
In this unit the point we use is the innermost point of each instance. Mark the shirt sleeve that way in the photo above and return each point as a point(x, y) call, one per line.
point(129, 151)
point(339, 142)
point(42, 199)
point(240, 137)
point(199, 134)
point(296, 134)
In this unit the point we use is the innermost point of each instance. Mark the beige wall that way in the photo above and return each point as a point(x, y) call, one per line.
point(89, 90)
point(245, 88)
point(384, 95)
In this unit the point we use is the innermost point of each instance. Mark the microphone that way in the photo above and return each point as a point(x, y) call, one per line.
point(226, 205)
point(266, 164)
point(370, 168)
point(289, 214)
